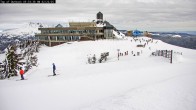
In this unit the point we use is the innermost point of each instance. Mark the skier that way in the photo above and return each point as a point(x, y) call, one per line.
point(94, 59)
point(21, 73)
point(54, 68)
point(89, 59)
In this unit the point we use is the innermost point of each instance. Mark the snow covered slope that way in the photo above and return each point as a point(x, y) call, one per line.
point(28, 29)
point(131, 83)
point(118, 35)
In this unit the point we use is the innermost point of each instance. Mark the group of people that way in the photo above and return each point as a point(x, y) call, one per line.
point(22, 71)
point(121, 54)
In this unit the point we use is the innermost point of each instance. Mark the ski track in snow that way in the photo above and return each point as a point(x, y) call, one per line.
point(133, 83)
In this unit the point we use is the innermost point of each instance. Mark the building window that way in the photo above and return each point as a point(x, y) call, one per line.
point(92, 31)
point(51, 31)
point(101, 31)
point(65, 31)
point(68, 38)
point(65, 37)
point(74, 38)
point(42, 38)
point(53, 38)
point(60, 31)
point(46, 37)
point(60, 38)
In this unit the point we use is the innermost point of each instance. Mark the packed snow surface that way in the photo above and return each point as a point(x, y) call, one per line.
point(141, 82)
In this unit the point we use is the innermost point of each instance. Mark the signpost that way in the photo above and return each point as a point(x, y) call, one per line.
point(118, 53)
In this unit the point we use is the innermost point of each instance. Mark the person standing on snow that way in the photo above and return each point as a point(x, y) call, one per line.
point(21, 73)
point(54, 69)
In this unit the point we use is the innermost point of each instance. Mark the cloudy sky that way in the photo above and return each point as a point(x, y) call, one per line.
point(149, 15)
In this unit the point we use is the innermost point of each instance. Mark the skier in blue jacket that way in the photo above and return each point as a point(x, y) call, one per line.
point(54, 68)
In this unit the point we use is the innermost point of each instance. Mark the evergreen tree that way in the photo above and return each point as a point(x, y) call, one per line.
point(12, 59)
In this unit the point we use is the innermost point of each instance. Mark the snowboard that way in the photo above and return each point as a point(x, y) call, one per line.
point(53, 75)
point(20, 79)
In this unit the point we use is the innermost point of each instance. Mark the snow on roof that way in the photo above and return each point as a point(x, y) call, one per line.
point(59, 25)
point(100, 25)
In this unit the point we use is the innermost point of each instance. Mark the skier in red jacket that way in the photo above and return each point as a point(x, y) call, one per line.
point(21, 74)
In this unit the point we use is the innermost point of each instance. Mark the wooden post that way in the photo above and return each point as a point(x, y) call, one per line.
point(171, 56)
point(49, 41)
point(166, 54)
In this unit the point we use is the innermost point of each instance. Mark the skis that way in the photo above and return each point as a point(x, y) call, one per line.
point(20, 79)
point(53, 75)
point(27, 79)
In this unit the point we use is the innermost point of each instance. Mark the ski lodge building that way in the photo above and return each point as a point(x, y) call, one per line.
point(77, 31)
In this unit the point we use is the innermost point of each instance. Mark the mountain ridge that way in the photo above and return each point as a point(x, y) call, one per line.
point(26, 30)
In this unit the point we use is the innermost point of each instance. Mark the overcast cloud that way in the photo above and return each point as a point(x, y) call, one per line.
point(150, 15)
